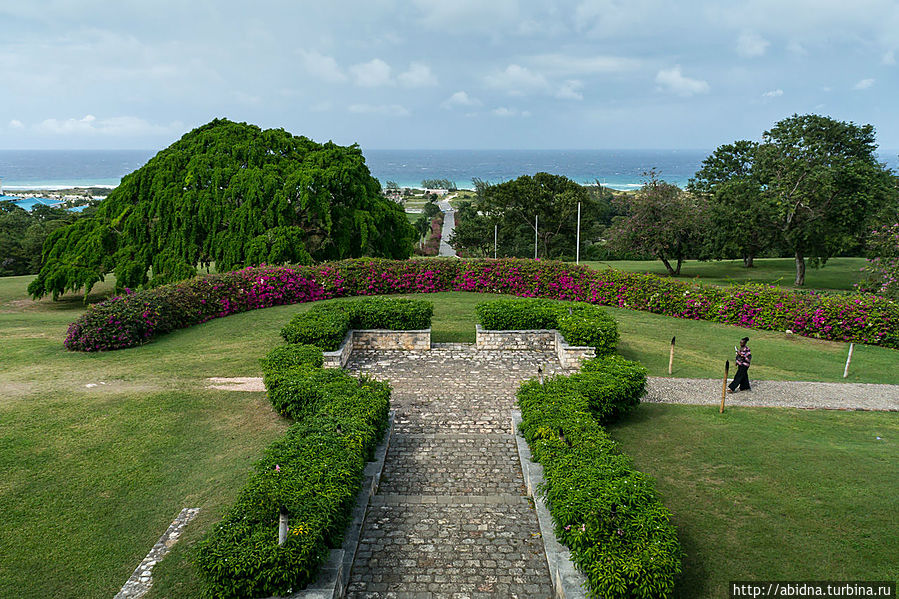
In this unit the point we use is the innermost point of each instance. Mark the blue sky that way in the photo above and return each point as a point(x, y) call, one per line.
point(444, 73)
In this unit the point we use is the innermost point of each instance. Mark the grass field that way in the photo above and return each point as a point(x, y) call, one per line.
point(772, 494)
point(93, 475)
point(838, 273)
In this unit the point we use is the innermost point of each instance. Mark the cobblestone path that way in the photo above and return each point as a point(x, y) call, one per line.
point(451, 517)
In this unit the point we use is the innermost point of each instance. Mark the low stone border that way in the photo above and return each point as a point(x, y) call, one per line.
point(142, 578)
point(567, 580)
point(334, 575)
point(419, 339)
point(570, 356)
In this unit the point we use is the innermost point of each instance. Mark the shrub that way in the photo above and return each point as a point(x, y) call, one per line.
point(134, 319)
point(322, 325)
point(605, 511)
point(314, 473)
point(326, 325)
point(579, 323)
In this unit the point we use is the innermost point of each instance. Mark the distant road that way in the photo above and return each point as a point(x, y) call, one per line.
point(449, 224)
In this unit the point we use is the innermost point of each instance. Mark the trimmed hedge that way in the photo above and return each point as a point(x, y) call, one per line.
point(326, 325)
point(314, 472)
point(603, 509)
point(134, 319)
point(580, 324)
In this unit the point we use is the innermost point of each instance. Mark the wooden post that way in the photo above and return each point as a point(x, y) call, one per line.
point(724, 386)
point(848, 360)
point(671, 355)
point(282, 526)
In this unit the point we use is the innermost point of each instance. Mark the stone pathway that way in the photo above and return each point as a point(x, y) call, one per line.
point(451, 517)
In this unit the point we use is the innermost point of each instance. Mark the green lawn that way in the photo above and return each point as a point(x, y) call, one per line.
point(838, 273)
point(772, 493)
point(94, 475)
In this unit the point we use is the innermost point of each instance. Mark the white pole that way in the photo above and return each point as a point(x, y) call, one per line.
point(282, 526)
point(848, 359)
point(535, 237)
point(578, 252)
point(494, 242)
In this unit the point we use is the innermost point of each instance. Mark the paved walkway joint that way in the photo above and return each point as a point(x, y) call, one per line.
point(142, 578)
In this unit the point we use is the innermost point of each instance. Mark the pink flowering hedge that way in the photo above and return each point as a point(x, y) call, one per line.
point(134, 319)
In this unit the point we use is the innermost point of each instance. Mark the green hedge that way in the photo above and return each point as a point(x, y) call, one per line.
point(603, 509)
point(579, 323)
point(314, 472)
point(326, 325)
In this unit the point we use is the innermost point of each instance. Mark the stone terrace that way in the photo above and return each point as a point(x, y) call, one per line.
point(451, 517)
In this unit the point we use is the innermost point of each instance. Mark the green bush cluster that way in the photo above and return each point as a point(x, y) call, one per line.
point(314, 473)
point(579, 323)
point(606, 512)
point(326, 325)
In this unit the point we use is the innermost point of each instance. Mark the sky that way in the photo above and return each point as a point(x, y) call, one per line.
point(455, 74)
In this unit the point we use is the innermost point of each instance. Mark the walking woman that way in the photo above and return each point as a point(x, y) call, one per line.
point(744, 357)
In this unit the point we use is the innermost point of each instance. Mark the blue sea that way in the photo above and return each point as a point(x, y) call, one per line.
point(619, 169)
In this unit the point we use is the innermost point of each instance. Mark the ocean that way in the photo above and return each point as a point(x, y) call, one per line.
point(619, 169)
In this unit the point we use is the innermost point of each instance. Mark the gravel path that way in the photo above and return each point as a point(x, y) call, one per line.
point(778, 394)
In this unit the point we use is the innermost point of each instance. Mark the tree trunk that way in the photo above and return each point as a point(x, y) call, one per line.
point(671, 272)
point(800, 269)
point(747, 262)
point(677, 270)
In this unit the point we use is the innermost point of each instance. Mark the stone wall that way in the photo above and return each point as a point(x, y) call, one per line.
point(533, 340)
point(377, 339)
point(523, 340)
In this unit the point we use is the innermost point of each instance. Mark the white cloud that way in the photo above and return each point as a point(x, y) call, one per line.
point(673, 81)
point(373, 73)
point(750, 45)
point(468, 14)
point(16, 124)
point(518, 80)
point(321, 66)
point(119, 125)
point(797, 48)
point(774, 93)
point(561, 64)
point(460, 99)
point(382, 109)
point(571, 90)
point(506, 112)
point(418, 75)
point(864, 84)
point(321, 107)
point(888, 58)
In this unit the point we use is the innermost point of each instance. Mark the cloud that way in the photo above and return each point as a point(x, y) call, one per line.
point(774, 93)
point(460, 99)
point(471, 15)
point(750, 45)
point(16, 124)
point(673, 81)
point(418, 75)
point(113, 126)
point(888, 58)
point(561, 64)
point(797, 48)
point(505, 112)
point(382, 109)
point(864, 84)
point(373, 73)
point(571, 90)
point(321, 66)
point(517, 80)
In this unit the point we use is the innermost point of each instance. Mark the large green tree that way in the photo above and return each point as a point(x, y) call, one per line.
point(741, 219)
point(231, 194)
point(512, 206)
point(661, 220)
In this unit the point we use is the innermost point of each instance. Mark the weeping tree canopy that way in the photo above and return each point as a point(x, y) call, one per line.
point(234, 195)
